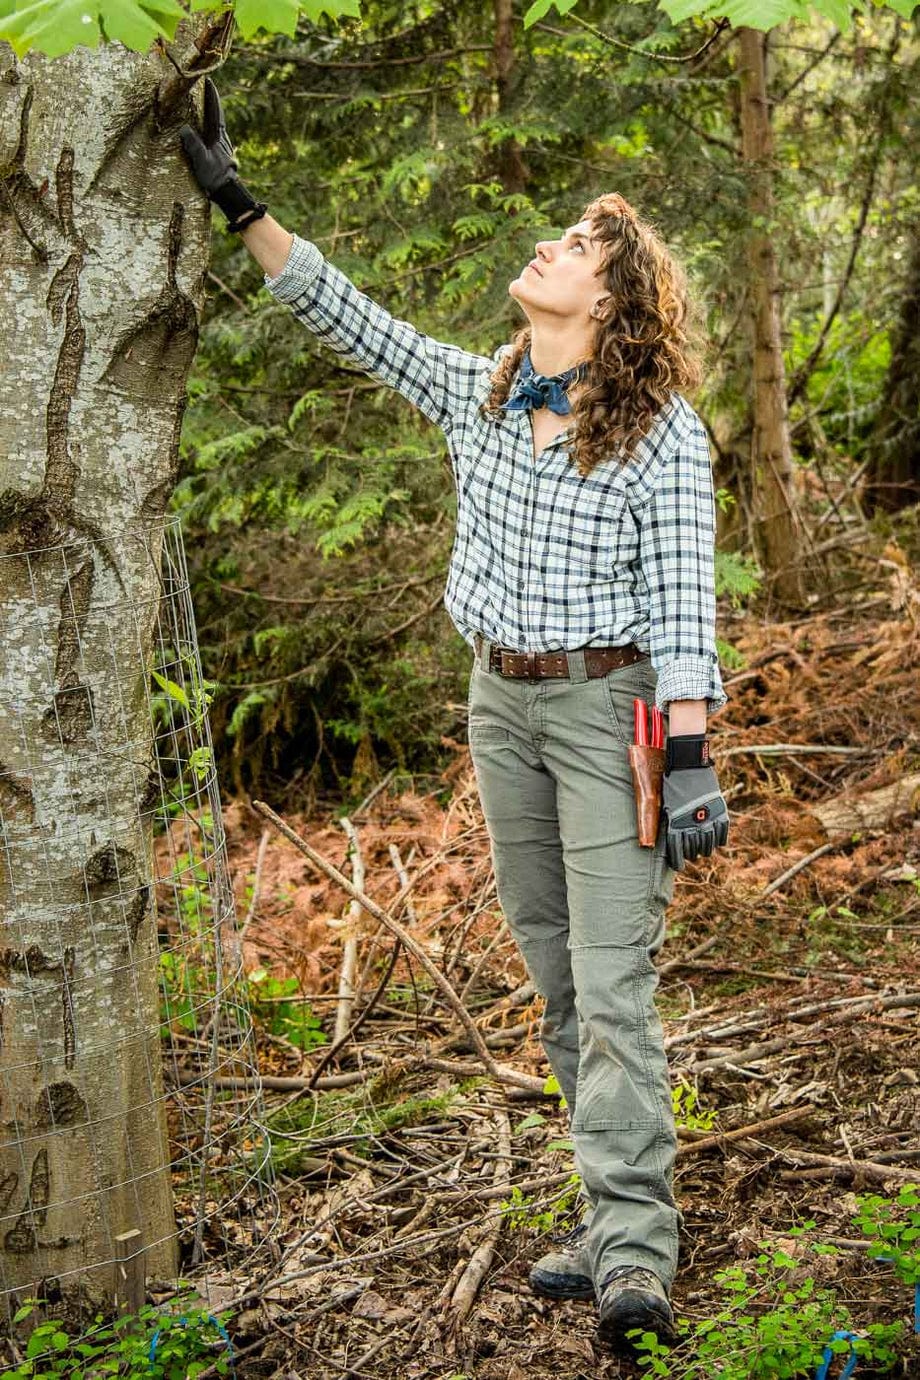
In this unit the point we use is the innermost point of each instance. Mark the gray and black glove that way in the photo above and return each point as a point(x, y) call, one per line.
point(696, 815)
point(210, 154)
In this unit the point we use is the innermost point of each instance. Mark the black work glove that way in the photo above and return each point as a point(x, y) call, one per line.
point(696, 815)
point(210, 154)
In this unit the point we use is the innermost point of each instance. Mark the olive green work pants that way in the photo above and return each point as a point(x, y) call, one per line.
point(586, 906)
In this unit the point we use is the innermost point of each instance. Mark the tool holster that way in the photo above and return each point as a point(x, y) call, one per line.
point(647, 765)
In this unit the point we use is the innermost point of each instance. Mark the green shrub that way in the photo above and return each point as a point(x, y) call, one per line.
point(151, 1345)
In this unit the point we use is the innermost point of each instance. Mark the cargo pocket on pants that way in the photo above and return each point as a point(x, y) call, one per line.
point(622, 1069)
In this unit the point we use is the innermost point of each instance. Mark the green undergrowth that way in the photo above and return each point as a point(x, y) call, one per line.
point(776, 1321)
point(153, 1344)
point(355, 1118)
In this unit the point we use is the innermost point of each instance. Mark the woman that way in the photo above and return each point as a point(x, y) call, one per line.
point(582, 576)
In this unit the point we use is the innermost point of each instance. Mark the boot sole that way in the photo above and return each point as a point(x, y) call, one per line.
point(562, 1287)
point(632, 1311)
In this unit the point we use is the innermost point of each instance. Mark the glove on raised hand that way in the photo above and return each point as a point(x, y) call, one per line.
point(696, 816)
point(212, 160)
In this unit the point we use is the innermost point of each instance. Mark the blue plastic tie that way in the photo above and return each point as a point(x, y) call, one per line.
point(889, 1258)
point(183, 1321)
point(829, 1355)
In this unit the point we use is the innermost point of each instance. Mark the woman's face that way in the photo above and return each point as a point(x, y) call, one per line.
point(562, 279)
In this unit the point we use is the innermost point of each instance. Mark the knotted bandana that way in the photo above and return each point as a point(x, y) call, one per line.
point(534, 390)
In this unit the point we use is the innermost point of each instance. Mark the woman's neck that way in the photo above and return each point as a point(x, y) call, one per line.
point(556, 346)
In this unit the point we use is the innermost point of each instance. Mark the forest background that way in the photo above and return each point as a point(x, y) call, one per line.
point(425, 149)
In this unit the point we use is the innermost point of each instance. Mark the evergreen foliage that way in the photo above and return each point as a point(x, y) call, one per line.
point(329, 499)
point(318, 507)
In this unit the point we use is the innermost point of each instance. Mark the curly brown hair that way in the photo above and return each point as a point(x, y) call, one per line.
point(648, 340)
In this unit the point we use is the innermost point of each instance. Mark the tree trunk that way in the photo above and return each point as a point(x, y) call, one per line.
point(512, 170)
point(777, 527)
point(893, 478)
point(103, 255)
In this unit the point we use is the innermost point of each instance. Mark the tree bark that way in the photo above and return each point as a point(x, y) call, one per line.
point(103, 256)
point(777, 526)
point(893, 478)
point(512, 170)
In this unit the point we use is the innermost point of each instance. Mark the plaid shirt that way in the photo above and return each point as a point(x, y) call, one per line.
point(543, 559)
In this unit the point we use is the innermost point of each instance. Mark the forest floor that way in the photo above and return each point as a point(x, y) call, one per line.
point(791, 1004)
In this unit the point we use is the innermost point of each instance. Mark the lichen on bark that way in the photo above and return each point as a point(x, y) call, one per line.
point(103, 255)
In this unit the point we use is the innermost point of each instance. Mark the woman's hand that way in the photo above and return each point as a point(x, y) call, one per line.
point(212, 160)
point(695, 812)
point(696, 815)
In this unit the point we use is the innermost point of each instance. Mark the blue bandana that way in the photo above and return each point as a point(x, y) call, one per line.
point(539, 390)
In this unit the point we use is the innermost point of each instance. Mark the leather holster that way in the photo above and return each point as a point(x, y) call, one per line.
point(647, 765)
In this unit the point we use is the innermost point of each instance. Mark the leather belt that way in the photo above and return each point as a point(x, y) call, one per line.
point(555, 665)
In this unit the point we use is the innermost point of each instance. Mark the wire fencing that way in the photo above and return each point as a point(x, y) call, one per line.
point(132, 1144)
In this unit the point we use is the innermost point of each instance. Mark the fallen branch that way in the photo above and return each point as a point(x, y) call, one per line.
point(498, 1071)
point(792, 749)
point(314, 1080)
point(867, 1169)
point(849, 1007)
point(698, 952)
point(799, 866)
point(403, 875)
point(467, 1193)
point(756, 1128)
point(256, 884)
point(477, 1268)
point(350, 950)
point(699, 966)
point(751, 1052)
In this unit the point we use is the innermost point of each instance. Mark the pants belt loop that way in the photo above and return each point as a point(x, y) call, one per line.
point(577, 671)
point(485, 654)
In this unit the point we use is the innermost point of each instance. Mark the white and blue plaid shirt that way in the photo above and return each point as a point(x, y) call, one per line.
point(545, 560)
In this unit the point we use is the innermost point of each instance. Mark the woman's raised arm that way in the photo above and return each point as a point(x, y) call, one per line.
point(438, 378)
point(268, 243)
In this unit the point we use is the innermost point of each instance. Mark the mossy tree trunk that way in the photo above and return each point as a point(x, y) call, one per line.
point(892, 480)
point(777, 525)
point(512, 170)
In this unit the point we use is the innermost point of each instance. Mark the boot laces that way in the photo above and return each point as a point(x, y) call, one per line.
point(646, 1279)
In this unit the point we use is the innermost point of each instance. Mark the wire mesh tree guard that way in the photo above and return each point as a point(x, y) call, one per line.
point(131, 1118)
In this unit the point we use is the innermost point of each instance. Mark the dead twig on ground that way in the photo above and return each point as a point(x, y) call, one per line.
point(504, 1075)
point(350, 949)
point(696, 965)
point(694, 953)
point(800, 866)
point(756, 1128)
point(865, 1169)
point(256, 884)
point(478, 1266)
point(348, 1037)
point(851, 1007)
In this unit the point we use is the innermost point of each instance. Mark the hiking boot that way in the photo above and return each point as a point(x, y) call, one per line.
point(633, 1297)
point(565, 1273)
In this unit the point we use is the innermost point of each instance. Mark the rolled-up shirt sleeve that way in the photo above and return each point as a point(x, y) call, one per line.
point(677, 557)
point(437, 378)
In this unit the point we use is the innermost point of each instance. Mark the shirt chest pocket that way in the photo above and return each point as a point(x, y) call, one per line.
point(584, 531)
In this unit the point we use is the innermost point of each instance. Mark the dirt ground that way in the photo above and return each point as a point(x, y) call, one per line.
point(789, 997)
